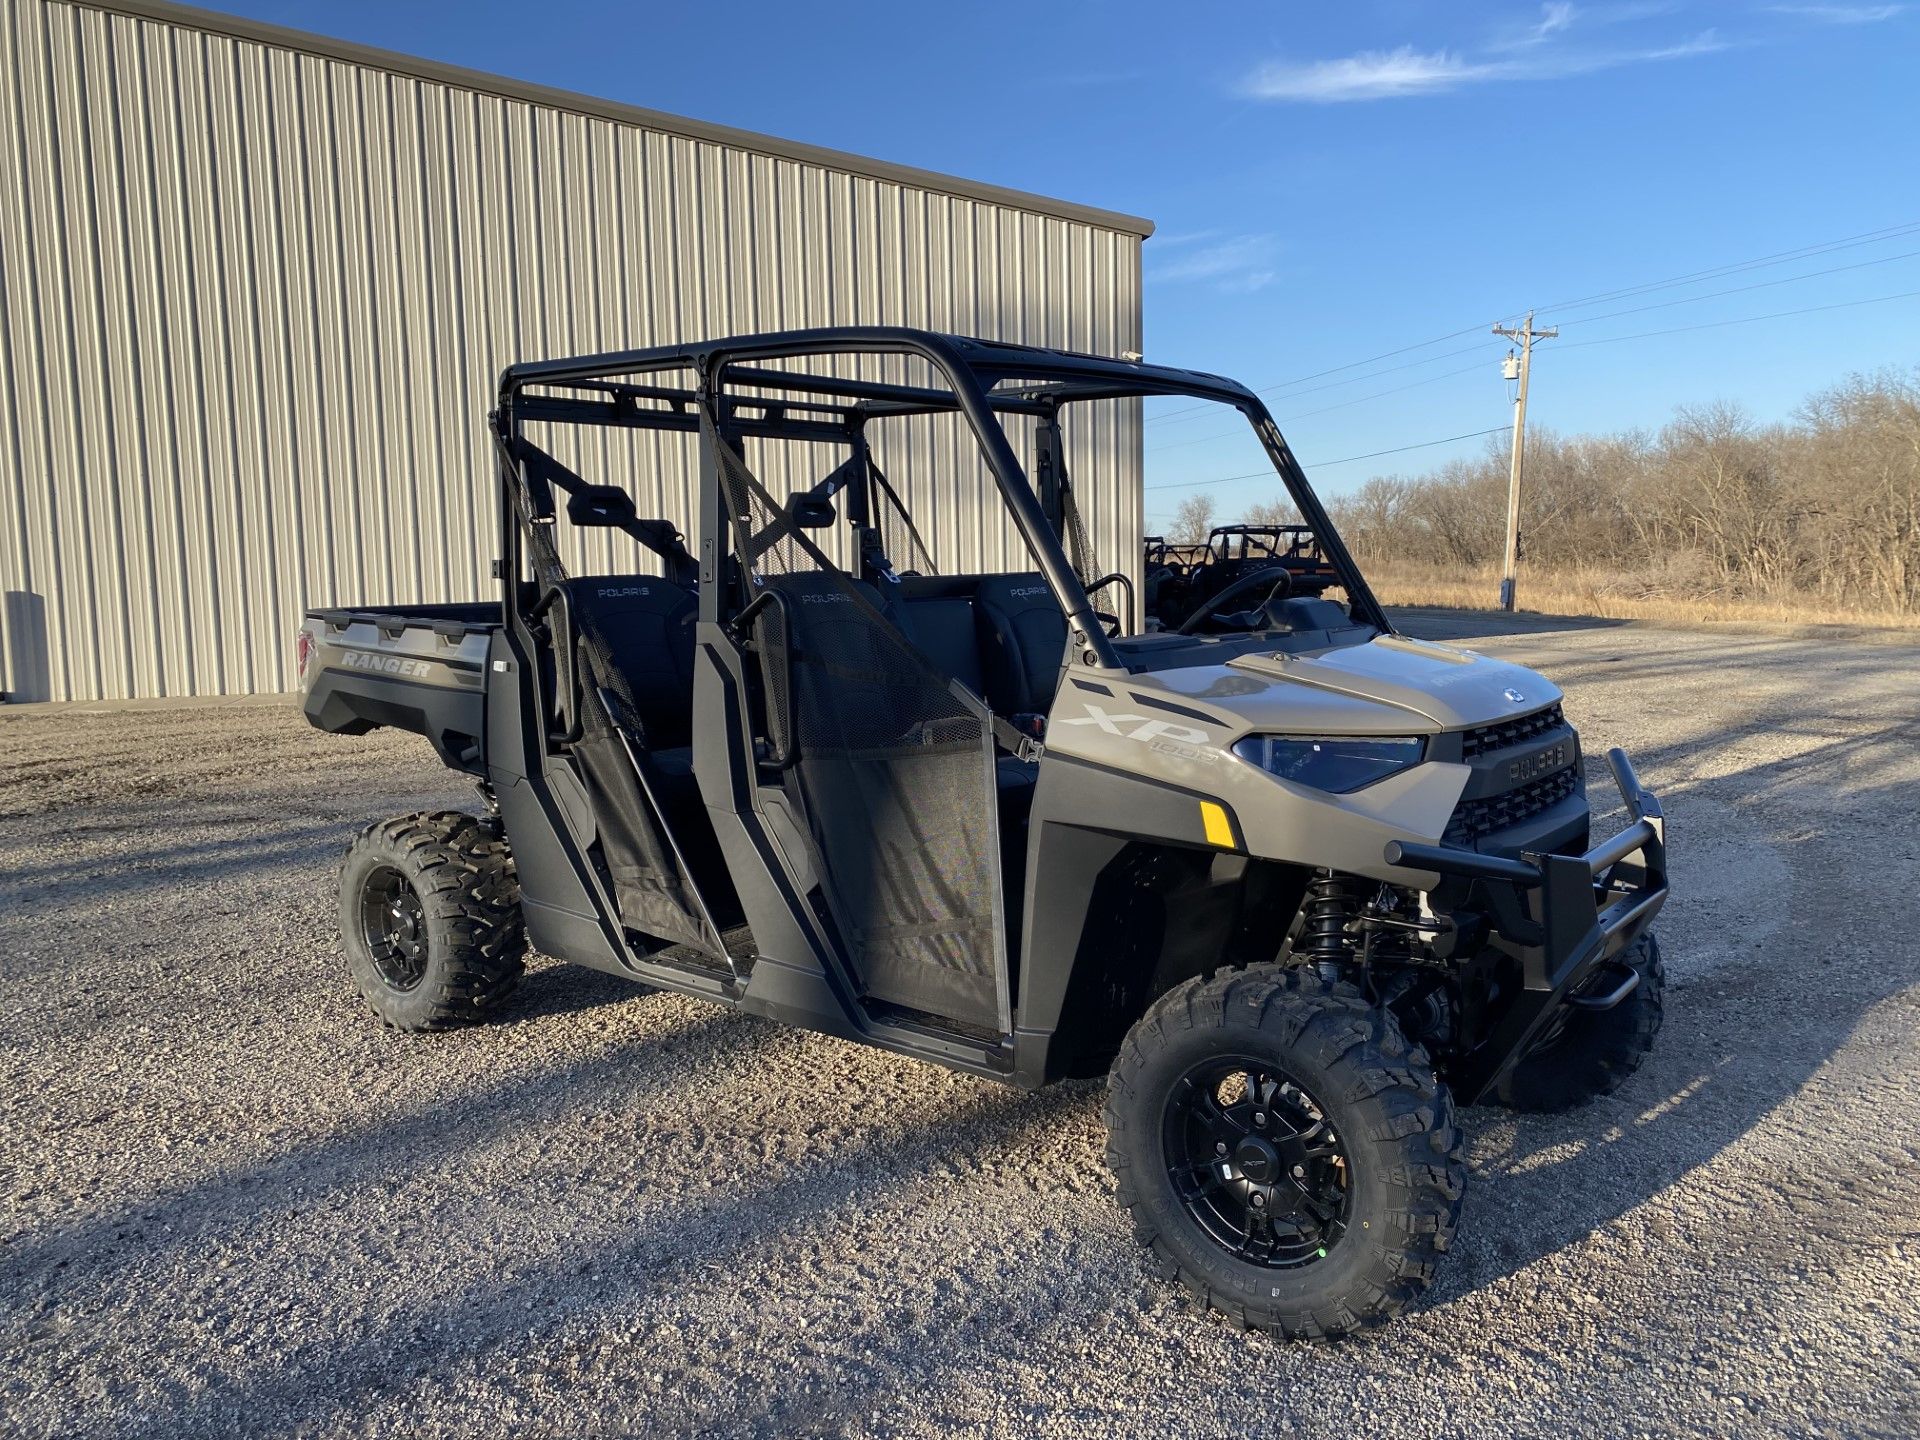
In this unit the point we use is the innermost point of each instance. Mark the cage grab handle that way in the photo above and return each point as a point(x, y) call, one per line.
point(566, 676)
point(781, 757)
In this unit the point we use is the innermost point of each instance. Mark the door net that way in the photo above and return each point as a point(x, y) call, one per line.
point(650, 885)
point(896, 768)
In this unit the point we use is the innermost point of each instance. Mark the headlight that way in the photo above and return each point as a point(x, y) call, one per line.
point(1334, 765)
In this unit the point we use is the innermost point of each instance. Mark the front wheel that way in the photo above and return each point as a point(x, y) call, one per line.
point(430, 919)
point(1284, 1152)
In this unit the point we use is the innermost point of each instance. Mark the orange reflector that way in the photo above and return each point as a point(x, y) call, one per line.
point(1213, 816)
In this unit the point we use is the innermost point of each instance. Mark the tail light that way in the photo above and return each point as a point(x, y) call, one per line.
point(302, 656)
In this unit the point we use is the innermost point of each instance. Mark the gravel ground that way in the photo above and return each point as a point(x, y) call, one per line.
point(231, 1203)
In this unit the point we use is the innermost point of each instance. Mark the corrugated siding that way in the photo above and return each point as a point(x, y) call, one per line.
point(256, 301)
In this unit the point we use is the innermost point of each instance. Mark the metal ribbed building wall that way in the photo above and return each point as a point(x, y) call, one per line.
point(257, 288)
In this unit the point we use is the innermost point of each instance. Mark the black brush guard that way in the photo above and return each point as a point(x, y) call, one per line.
point(1562, 916)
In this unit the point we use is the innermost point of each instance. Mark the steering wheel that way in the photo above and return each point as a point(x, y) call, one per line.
point(1278, 576)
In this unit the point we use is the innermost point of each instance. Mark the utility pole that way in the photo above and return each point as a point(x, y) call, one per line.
point(1526, 336)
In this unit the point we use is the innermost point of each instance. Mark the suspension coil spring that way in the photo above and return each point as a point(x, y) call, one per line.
point(1331, 905)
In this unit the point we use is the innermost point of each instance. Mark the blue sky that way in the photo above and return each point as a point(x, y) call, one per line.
point(1336, 182)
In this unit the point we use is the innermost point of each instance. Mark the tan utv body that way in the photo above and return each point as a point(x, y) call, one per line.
point(1389, 686)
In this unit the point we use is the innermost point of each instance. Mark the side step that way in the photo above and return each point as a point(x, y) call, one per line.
point(691, 958)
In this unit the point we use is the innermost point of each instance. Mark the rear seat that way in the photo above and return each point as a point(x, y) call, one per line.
point(943, 627)
point(1002, 636)
point(647, 624)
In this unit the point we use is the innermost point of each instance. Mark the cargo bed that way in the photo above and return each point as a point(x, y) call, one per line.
point(414, 667)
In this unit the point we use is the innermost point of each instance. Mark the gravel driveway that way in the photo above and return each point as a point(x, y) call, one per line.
point(231, 1203)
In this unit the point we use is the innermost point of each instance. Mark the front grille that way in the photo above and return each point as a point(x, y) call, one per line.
point(1476, 818)
point(1510, 732)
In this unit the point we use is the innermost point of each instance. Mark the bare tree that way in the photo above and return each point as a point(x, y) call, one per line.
point(1273, 512)
point(1715, 505)
point(1193, 521)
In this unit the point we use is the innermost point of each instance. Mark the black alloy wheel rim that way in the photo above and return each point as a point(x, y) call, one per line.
point(394, 925)
point(1256, 1162)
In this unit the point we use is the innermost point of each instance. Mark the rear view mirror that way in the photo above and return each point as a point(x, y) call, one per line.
point(809, 512)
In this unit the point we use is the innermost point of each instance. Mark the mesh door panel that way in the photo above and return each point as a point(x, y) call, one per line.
point(898, 537)
point(896, 767)
point(651, 890)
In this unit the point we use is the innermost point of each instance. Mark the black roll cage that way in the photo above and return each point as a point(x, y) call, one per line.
point(1220, 539)
point(610, 389)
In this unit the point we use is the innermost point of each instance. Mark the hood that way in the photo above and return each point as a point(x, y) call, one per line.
point(1389, 686)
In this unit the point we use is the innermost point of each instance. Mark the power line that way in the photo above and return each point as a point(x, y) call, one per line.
point(1351, 380)
point(1565, 345)
point(1398, 449)
point(1781, 257)
point(1324, 409)
point(1353, 365)
point(1743, 320)
point(1361, 399)
point(1386, 370)
point(1386, 355)
point(1742, 289)
point(1329, 464)
point(1605, 315)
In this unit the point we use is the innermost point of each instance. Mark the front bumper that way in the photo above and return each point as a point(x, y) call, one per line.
point(1562, 916)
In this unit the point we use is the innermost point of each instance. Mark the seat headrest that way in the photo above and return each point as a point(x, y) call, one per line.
point(607, 505)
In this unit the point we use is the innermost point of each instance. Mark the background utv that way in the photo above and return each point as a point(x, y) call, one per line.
point(1293, 881)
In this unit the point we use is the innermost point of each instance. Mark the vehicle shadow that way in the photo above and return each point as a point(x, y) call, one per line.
point(503, 1316)
point(223, 1204)
point(1750, 1027)
point(558, 988)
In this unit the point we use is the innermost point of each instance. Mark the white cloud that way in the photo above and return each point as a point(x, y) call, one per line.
point(1370, 75)
point(1554, 18)
point(1841, 14)
point(1238, 263)
point(1386, 74)
point(1162, 243)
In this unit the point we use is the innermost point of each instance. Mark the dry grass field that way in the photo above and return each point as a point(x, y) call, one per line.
point(1607, 594)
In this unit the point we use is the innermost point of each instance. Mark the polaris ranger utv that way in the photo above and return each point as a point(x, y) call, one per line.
point(1295, 883)
point(1182, 577)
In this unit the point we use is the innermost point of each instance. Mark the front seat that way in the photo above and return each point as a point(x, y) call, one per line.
point(1023, 643)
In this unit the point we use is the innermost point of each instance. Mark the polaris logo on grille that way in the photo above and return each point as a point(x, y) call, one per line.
point(1516, 696)
point(382, 664)
point(1535, 765)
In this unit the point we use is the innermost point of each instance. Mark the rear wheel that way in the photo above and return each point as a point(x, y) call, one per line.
point(1284, 1152)
point(430, 919)
point(1592, 1052)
